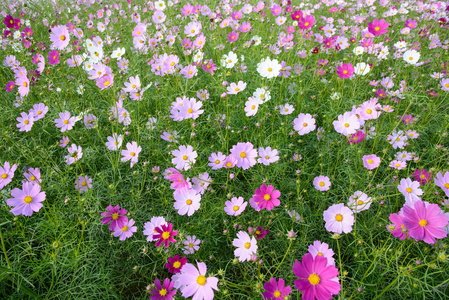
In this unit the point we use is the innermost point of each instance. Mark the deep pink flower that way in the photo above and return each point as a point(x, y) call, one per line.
point(233, 36)
point(316, 279)
point(397, 229)
point(260, 233)
point(10, 86)
point(276, 290)
point(425, 222)
point(357, 137)
point(175, 264)
point(345, 70)
point(267, 197)
point(422, 176)
point(53, 57)
point(9, 21)
point(296, 15)
point(165, 235)
point(115, 215)
point(307, 22)
point(378, 27)
point(163, 292)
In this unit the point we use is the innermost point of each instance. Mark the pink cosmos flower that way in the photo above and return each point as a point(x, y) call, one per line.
point(163, 291)
point(39, 111)
point(150, 227)
point(322, 249)
point(234, 88)
point(411, 191)
point(184, 158)
point(357, 137)
point(304, 124)
point(296, 15)
point(175, 264)
point(233, 36)
point(245, 154)
point(345, 70)
point(114, 142)
point(53, 57)
point(60, 37)
point(339, 218)
point(398, 164)
point(75, 154)
point(346, 124)
point(164, 235)
point(397, 229)
point(317, 279)
point(23, 84)
point(443, 182)
point(229, 162)
point(193, 282)
point(65, 121)
point(216, 160)
point(83, 184)
point(251, 106)
point(267, 156)
point(33, 175)
point(236, 206)
point(131, 153)
point(246, 246)
point(189, 71)
point(306, 22)
point(422, 176)
point(276, 290)
point(359, 201)
point(116, 216)
point(378, 27)
point(64, 141)
point(267, 197)
point(371, 161)
point(10, 85)
point(322, 183)
point(25, 121)
point(105, 81)
point(190, 108)
point(187, 201)
point(425, 222)
point(126, 231)
point(27, 200)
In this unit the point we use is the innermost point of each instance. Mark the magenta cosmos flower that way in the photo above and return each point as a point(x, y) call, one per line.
point(116, 216)
point(6, 174)
point(322, 183)
point(306, 22)
point(60, 37)
point(397, 229)
point(27, 200)
point(371, 161)
point(378, 27)
point(316, 279)
point(422, 176)
point(339, 218)
point(126, 231)
point(276, 290)
point(164, 235)
point(425, 222)
point(245, 154)
point(163, 291)
point(175, 264)
point(193, 282)
point(53, 57)
point(267, 197)
point(345, 70)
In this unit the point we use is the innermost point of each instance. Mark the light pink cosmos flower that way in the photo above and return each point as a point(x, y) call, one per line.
point(371, 161)
point(27, 200)
point(322, 183)
point(339, 218)
point(304, 124)
point(234, 88)
point(23, 84)
point(65, 121)
point(236, 206)
point(346, 124)
point(322, 249)
point(398, 164)
point(425, 222)
point(184, 158)
point(246, 246)
point(114, 142)
point(443, 182)
point(216, 160)
point(267, 156)
point(150, 230)
point(83, 184)
point(201, 183)
point(25, 121)
point(189, 71)
point(126, 231)
point(445, 84)
point(251, 106)
point(193, 282)
point(411, 191)
point(190, 108)
point(187, 201)
point(60, 37)
point(39, 110)
point(359, 201)
point(33, 175)
point(245, 154)
point(75, 154)
point(131, 153)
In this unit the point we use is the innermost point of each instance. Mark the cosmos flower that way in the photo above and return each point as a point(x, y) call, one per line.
point(322, 183)
point(27, 200)
point(131, 153)
point(322, 249)
point(246, 246)
point(193, 282)
point(163, 291)
point(276, 290)
point(266, 197)
point(126, 231)
point(116, 216)
point(245, 154)
point(339, 218)
point(60, 37)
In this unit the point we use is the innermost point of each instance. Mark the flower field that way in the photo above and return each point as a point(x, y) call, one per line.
point(173, 149)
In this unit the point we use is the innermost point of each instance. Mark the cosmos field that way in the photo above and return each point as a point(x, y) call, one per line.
point(224, 149)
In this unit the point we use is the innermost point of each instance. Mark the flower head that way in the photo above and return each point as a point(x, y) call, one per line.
point(322, 183)
point(246, 246)
point(27, 200)
point(163, 291)
point(339, 218)
point(276, 290)
point(126, 231)
point(193, 282)
point(266, 197)
point(165, 234)
point(115, 215)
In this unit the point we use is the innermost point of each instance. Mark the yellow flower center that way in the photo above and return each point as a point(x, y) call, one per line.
point(370, 161)
point(321, 183)
point(236, 208)
point(377, 28)
point(339, 217)
point(277, 294)
point(32, 178)
point(190, 245)
point(114, 216)
point(229, 165)
point(345, 72)
point(163, 292)
point(106, 83)
point(26, 122)
point(314, 279)
point(133, 154)
point(346, 124)
point(306, 23)
point(176, 264)
point(28, 199)
point(83, 183)
point(360, 202)
point(188, 202)
point(423, 222)
point(25, 84)
point(201, 280)
point(243, 155)
point(446, 185)
point(266, 197)
point(409, 190)
point(165, 235)
point(125, 228)
point(253, 107)
point(62, 37)
point(320, 254)
point(270, 69)
point(190, 110)
point(247, 245)
point(66, 121)
point(184, 157)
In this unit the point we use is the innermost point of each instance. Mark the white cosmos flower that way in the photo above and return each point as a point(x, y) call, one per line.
point(229, 60)
point(362, 69)
point(411, 56)
point(262, 95)
point(118, 53)
point(269, 68)
point(358, 50)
